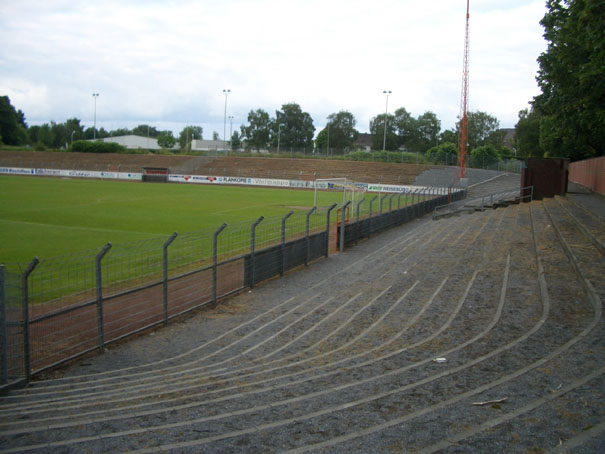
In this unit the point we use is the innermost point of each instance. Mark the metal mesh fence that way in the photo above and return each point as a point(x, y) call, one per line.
point(57, 309)
point(12, 365)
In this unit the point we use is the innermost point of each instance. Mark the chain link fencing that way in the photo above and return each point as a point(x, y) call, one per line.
point(55, 310)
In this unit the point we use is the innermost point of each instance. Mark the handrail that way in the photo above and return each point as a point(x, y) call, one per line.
point(489, 199)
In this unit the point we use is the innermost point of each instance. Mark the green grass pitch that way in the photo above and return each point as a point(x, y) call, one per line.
point(48, 217)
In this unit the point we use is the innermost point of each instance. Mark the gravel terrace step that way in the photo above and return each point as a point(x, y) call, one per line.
point(345, 361)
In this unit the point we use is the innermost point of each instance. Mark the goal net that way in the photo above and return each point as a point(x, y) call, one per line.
point(350, 191)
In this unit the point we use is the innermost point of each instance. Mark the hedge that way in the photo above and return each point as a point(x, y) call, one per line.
point(85, 146)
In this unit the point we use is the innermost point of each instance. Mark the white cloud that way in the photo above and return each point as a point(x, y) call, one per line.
point(167, 62)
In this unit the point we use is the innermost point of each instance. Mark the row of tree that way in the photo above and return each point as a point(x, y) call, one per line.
point(568, 118)
point(15, 131)
point(293, 128)
point(290, 128)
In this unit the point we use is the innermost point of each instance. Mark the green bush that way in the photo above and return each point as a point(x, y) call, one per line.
point(445, 153)
point(483, 156)
point(84, 146)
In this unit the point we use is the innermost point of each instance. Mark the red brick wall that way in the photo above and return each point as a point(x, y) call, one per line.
point(589, 173)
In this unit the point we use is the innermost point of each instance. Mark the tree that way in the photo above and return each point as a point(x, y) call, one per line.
point(236, 142)
point(417, 134)
point(99, 133)
point(572, 79)
point(405, 126)
point(257, 132)
point(340, 132)
point(481, 128)
point(377, 132)
point(166, 139)
point(146, 131)
point(428, 127)
point(484, 156)
point(120, 132)
point(449, 135)
point(13, 129)
point(74, 129)
point(46, 135)
point(188, 134)
point(527, 134)
point(445, 153)
point(297, 128)
point(61, 136)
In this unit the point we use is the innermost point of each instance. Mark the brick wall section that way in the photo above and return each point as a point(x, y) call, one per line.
point(589, 173)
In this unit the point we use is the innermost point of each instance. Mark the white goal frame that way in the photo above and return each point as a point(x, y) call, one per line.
point(347, 186)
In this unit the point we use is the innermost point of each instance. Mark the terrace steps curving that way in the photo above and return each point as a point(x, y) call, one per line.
point(509, 297)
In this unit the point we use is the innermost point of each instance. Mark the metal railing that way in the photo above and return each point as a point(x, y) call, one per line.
point(486, 201)
point(55, 310)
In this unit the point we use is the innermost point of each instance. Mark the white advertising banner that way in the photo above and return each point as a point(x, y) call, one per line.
point(203, 179)
point(398, 188)
point(198, 179)
point(71, 173)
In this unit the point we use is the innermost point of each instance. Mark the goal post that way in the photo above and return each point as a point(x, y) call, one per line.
point(349, 189)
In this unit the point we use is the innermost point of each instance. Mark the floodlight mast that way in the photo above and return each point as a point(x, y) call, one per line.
point(463, 127)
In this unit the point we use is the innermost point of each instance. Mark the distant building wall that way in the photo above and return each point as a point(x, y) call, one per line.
point(589, 173)
point(135, 142)
point(208, 145)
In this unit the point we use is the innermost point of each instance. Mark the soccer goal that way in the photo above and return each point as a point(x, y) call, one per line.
point(350, 191)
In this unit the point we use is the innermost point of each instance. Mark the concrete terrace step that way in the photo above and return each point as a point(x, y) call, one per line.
point(416, 252)
point(498, 294)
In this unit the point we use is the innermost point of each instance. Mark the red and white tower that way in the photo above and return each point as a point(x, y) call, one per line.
point(463, 127)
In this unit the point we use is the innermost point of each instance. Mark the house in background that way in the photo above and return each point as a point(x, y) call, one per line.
point(364, 141)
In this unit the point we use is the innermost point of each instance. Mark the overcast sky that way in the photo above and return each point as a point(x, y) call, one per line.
point(167, 62)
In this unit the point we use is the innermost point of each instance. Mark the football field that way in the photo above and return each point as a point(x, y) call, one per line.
point(49, 217)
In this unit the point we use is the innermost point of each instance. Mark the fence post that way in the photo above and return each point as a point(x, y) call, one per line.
point(370, 215)
point(342, 227)
point(215, 260)
point(99, 280)
point(283, 243)
point(25, 315)
point(307, 235)
point(165, 266)
point(334, 205)
point(381, 199)
point(252, 244)
point(3, 330)
point(357, 222)
point(399, 200)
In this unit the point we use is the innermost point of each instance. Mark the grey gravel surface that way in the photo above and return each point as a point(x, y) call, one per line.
point(341, 356)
